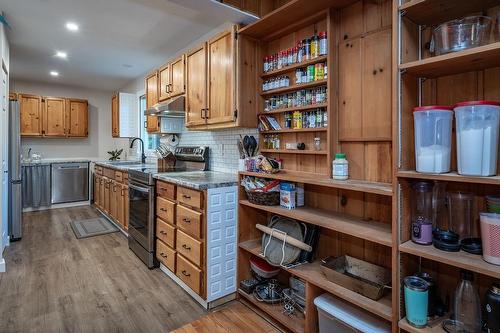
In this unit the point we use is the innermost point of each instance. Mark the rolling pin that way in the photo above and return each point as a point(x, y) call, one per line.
point(289, 240)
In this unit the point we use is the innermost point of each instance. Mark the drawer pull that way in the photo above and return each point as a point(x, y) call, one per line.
point(186, 220)
point(185, 196)
point(163, 232)
point(163, 209)
point(185, 273)
point(186, 247)
point(163, 255)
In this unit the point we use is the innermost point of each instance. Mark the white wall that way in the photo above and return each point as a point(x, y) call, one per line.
point(99, 140)
point(223, 150)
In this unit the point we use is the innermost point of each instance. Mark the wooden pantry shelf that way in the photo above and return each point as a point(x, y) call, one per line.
point(312, 273)
point(450, 177)
point(457, 62)
point(296, 130)
point(295, 151)
point(294, 323)
point(290, 17)
point(295, 87)
point(436, 327)
point(298, 108)
point(294, 66)
point(432, 12)
point(373, 231)
point(315, 179)
point(458, 259)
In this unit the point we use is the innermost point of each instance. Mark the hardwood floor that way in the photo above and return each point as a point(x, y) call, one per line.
point(57, 283)
point(234, 318)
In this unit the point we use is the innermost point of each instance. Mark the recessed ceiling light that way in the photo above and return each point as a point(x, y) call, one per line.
point(61, 54)
point(54, 73)
point(72, 26)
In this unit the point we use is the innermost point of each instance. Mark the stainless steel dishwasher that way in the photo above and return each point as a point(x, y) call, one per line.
point(70, 182)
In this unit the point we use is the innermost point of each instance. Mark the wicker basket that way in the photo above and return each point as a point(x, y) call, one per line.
point(264, 198)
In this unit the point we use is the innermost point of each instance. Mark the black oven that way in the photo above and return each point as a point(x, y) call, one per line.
point(141, 220)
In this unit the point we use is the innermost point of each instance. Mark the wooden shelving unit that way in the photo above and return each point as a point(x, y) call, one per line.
point(370, 230)
point(293, 67)
point(296, 130)
point(299, 108)
point(311, 178)
point(294, 87)
point(431, 12)
point(294, 151)
point(460, 259)
point(312, 273)
point(477, 58)
point(422, 79)
point(436, 328)
point(294, 324)
point(354, 216)
point(450, 177)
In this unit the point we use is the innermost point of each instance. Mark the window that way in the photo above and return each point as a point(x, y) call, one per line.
point(151, 141)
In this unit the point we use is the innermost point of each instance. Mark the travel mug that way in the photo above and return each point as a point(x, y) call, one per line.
point(416, 291)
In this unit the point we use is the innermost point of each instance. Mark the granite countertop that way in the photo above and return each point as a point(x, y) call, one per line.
point(199, 180)
point(56, 160)
point(124, 165)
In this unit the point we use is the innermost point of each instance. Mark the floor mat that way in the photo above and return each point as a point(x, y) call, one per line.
point(92, 227)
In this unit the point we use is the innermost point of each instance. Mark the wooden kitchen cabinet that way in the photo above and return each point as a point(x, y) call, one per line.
point(152, 122)
point(54, 116)
point(115, 118)
point(177, 77)
point(196, 81)
point(125, 206)
point(31, 115)
point(78, 118)
point(221, 82)
point(164, 75)
point(97, 191)
point(107, 196)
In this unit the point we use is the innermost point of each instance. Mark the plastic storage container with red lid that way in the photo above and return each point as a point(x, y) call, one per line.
point(432, 107)
point(473, 103)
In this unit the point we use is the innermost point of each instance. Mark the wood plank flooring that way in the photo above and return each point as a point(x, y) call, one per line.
point(234, 318)
point(57, 283)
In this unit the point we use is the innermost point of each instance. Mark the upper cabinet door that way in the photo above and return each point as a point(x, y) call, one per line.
point(31, 114)
point(221, 78)
point(78, 118)
point(115, 117)
point(151, 90)
point(178, 82)
point(164, 82)
point(196, 81)
point(54, 116)
point(152, 123)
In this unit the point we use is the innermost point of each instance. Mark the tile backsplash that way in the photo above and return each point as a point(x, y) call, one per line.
point(224, 153)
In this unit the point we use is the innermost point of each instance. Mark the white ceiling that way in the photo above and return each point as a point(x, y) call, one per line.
point(118, 40)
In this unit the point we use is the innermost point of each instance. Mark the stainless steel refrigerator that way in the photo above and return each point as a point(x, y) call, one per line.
point(15, 181)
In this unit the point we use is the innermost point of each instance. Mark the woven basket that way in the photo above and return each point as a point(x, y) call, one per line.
point(264, 198)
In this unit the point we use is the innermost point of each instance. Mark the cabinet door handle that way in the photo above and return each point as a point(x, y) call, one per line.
point(207, 115)
point(163, 255)
point(184, 246)
point(185, 196)
point(163, 232)
point(185, 273)
point(163, 209)
point(201, 113)
point(186, 220)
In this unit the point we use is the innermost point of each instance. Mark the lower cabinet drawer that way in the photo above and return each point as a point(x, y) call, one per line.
point(189, 274)
point(165, 232)
point(190, 197)
point(190, 221)
point(165, 255)
point(165, 210)
point(189, 247)
point(119, 176)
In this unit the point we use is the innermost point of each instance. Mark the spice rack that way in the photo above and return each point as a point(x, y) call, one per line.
point(354, 216)
point(447, 79)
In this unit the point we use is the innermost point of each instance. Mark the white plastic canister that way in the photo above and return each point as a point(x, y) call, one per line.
point(433, 138)
point(477, 137)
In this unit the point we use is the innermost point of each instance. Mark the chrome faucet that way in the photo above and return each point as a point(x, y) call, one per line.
point(143, 156)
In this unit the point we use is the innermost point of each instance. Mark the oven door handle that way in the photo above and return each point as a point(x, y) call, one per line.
point(140, 189)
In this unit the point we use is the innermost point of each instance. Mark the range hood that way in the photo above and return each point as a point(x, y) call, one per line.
point(172, 108)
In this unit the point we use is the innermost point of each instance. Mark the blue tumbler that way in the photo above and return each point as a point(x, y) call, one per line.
point(416, 300)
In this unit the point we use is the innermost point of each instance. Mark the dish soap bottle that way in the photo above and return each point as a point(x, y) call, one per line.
point(340, 167)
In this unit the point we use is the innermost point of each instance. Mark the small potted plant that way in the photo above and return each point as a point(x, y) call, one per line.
point(115, 154)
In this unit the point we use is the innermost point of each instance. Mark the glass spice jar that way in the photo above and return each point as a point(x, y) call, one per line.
point(307, 49)
point(322, 43)
point(314, 47)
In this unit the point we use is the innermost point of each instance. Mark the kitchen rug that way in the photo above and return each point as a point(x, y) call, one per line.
point(92, 227)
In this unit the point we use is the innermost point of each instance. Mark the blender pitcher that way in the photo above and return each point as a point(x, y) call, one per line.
point(422, 213)
point(460, 214)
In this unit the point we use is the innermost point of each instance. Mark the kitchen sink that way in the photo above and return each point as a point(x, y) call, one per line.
point(123, 162)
